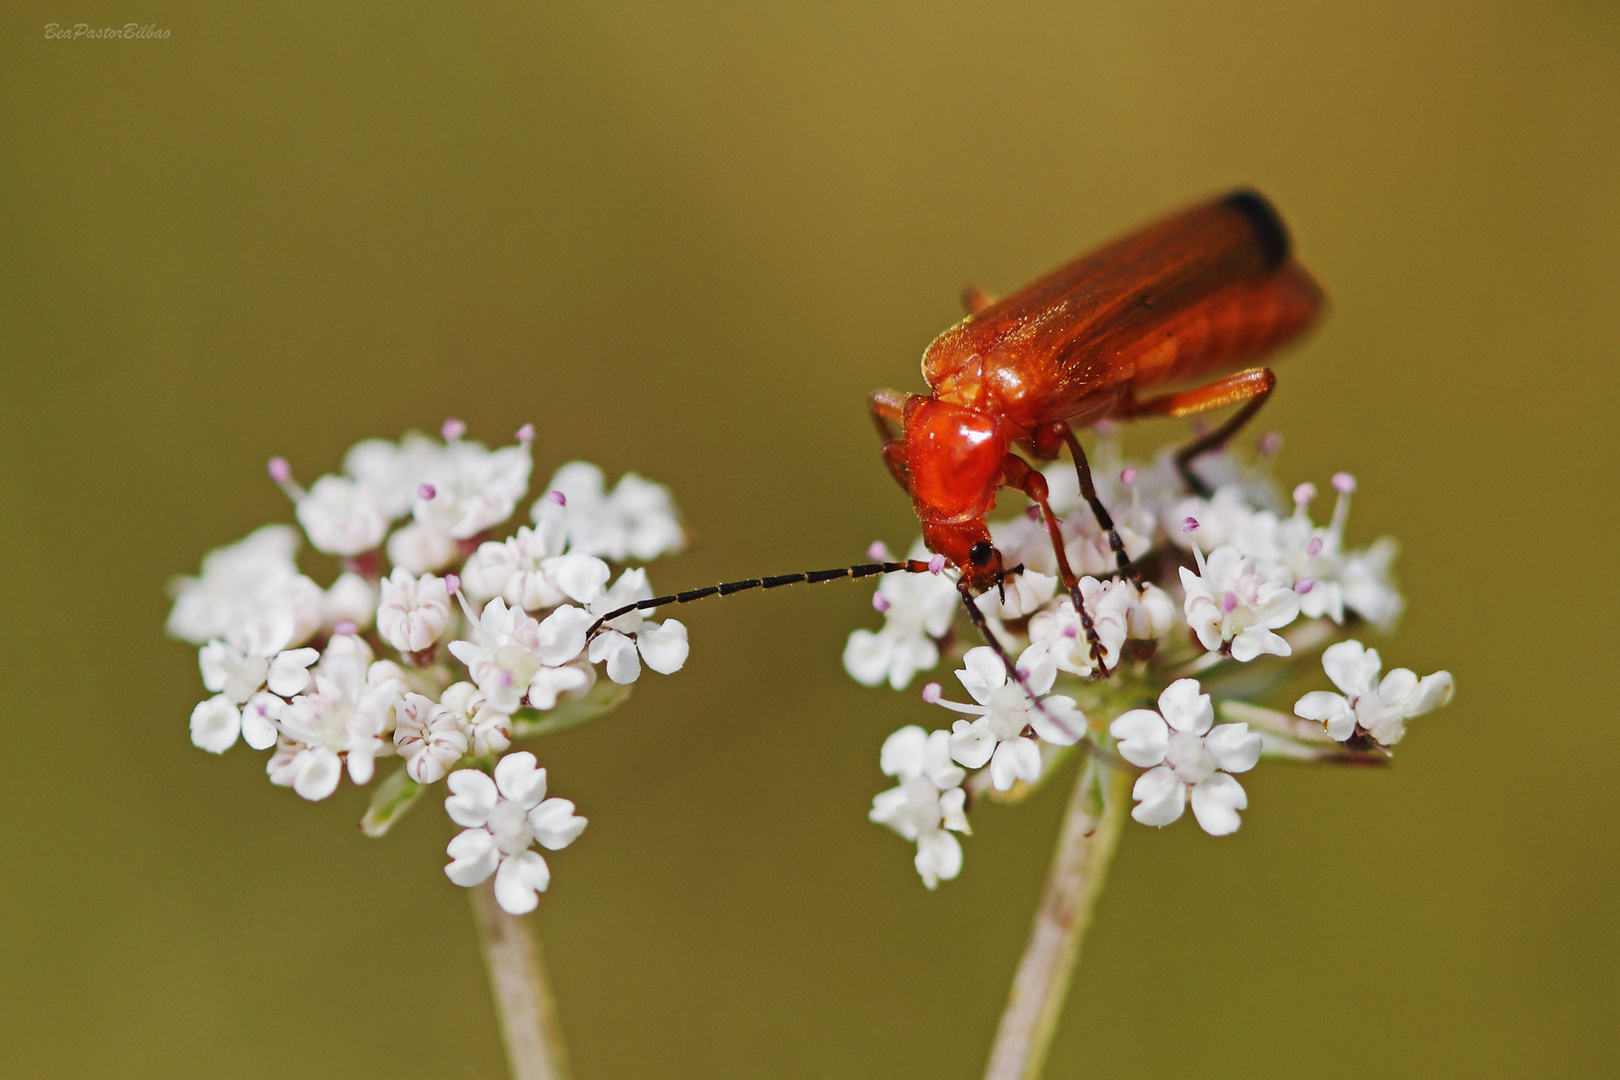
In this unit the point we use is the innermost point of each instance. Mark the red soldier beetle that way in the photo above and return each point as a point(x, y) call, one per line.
point(1187, 301)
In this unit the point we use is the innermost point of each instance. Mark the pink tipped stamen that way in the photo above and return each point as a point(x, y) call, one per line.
point(1033, 513)
point(1344, 483)
point(452, 584)
point(878, 552)
point(931, 693)
point(453, 429)
point(1270, 443)
point(427, 491)
point(1304, 494)
point(1128, 477)
point(1229, 603)
point(1071, 631)
point(936, 564)
point(525, 434)
point(557, 497)
point(1314, 548)
point(1189, 524)
point(1105, 428)
point(880, 603)
point(281, 473)
point(346, 626)
point(1304, 585)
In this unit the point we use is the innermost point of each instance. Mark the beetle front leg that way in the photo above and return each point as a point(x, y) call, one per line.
point(888, 411)
point(1047, 441)
point(1250, 387)
point(1017, 473)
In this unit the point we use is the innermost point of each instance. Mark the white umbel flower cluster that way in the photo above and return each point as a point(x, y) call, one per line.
point(442, 640)
point(1235, 597)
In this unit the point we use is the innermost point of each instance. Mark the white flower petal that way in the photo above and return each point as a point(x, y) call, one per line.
point(472, 797)
point(289, 671)
point(1216, 802)
point(953, 810)
point(521, 779)
point(939, 858)
point(561, 636)
point(1142, 735)
point(902, 753)
point(623, 666)
point(1236, 748)
point(1258, 641)
point(972, 744)
point(555, 824)
point(1059, 721)
point(1352, 666)
point(316, 773)
point(1015, 759)
point(982, 673)
point(473, 856)
point(215, 724)
point(1160, 795)
point(520, 880)
point(663, 645)
point(583, 578)
point(549, 683)
point(258, 720)
point(866, 656)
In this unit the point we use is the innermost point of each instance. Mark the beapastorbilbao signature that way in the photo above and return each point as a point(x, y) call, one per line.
point(127, 32)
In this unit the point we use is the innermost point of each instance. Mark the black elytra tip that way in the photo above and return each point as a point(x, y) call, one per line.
point(1269, 231)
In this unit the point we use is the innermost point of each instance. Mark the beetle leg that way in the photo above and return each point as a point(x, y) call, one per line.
point(1250, 387)
point(888, 409)
point(894, 456)
point(1017, 473)
point(975, 299)
point(1104, 520)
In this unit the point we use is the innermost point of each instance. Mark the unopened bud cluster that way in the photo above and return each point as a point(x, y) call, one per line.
point(1240, 592)
point(445, 637)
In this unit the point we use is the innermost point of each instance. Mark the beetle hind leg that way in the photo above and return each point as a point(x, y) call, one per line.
point(1250, 388)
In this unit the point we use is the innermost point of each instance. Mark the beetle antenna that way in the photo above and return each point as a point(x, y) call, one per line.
point(726, 588)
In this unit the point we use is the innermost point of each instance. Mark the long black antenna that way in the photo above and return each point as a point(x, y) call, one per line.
point(859, 570)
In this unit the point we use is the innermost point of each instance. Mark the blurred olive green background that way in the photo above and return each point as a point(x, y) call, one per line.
point(689, 240)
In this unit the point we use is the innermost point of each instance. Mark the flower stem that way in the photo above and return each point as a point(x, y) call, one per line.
point(524, 1004)
point(1091, 827)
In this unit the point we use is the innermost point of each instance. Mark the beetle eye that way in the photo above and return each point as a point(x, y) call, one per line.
point(980, 553)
